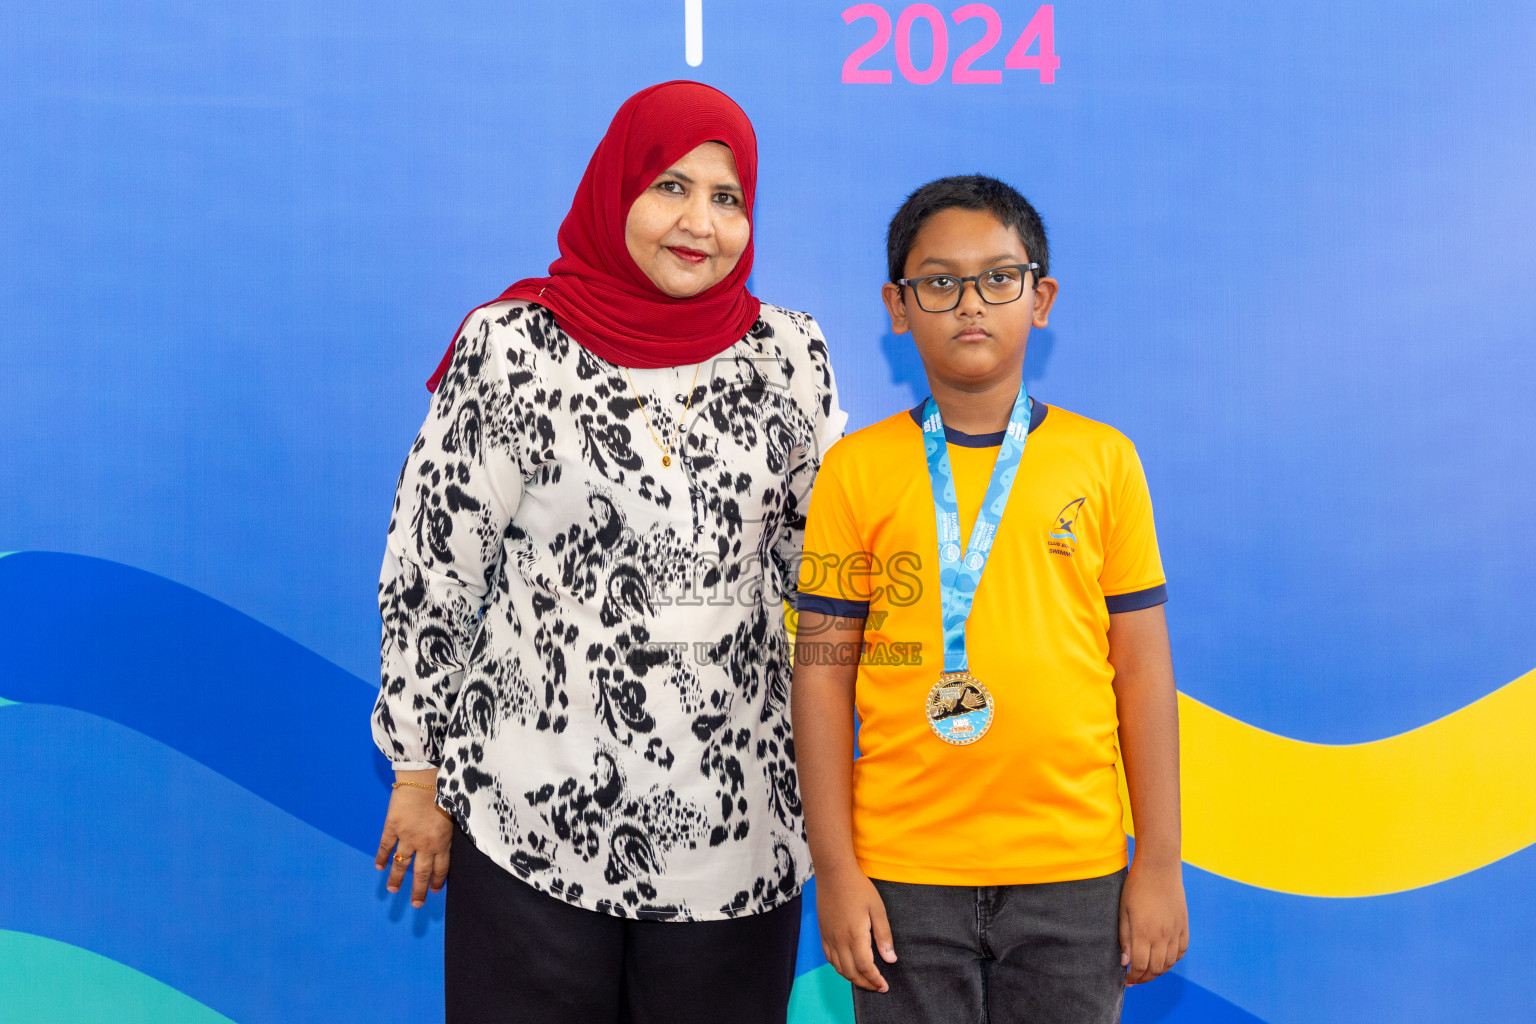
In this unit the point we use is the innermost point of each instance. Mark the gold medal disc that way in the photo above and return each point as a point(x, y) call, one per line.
point(960, 710)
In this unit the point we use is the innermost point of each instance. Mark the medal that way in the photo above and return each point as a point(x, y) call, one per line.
point(959, 708)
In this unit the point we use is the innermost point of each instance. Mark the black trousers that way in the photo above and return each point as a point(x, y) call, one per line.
point(514, 955)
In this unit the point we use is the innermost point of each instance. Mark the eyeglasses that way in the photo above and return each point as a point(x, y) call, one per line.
point(940, 293)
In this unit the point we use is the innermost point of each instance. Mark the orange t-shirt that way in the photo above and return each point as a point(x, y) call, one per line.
point(1035, 799)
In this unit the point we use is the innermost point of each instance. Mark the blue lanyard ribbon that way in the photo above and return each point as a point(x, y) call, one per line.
point(958, 579)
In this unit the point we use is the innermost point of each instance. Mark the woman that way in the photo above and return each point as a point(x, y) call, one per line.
point(584, 659)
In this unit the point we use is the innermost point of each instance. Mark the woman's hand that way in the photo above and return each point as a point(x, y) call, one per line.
point(415, 827)
point(852, 918)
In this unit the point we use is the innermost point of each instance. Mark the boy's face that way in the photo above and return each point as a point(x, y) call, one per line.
point(977, 343)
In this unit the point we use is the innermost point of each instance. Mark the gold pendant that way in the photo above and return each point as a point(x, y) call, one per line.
point(666, 460)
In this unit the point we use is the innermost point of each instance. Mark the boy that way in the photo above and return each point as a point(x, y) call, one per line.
point(971, 864)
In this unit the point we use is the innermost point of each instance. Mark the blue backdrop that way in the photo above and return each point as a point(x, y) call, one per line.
point(235, 240)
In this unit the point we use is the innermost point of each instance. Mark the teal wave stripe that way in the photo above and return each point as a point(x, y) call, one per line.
point(45, 981)
point(821, 996)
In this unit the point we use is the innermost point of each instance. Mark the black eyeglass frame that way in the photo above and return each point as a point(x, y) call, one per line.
point(975, 278)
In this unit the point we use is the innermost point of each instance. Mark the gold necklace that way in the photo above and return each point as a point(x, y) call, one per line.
point(666, 449)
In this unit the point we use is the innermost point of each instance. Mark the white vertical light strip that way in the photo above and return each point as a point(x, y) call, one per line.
point(693, 32)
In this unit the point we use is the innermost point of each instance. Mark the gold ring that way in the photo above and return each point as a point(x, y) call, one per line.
point(402, 859)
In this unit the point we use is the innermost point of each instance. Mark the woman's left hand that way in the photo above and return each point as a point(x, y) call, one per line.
point(415, 828)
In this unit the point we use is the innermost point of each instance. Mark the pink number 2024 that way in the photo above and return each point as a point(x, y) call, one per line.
point(1041, 30)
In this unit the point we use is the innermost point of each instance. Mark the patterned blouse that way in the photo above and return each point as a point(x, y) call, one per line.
point(589, 643)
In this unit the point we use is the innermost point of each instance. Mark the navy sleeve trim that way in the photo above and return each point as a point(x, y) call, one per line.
point(835, 606)
point(1136, 600)
point(1037, 411)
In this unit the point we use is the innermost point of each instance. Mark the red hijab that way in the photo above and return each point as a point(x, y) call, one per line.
point(596, 292)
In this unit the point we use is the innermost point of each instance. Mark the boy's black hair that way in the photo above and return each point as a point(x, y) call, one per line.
point(968, 192)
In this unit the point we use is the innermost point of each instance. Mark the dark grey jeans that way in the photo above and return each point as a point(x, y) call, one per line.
point(1006, 954)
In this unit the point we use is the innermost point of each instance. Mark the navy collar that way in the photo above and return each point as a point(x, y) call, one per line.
point(964, 440)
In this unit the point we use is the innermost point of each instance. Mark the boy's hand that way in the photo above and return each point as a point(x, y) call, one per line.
point(1154, 924)
point(853, 923)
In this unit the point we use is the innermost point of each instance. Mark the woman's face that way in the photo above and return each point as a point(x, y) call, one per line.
point(689, 227)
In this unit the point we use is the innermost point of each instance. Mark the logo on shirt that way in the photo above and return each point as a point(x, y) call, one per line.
point(1061, 539)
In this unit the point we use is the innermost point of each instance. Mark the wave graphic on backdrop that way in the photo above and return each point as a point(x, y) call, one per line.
point(1360, 819)
point(197, 675)
point(49, 982)
point(148, 858)
point(209, 798)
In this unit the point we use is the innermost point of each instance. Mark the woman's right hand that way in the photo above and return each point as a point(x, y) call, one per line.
point(853, 923)
point(415, 828)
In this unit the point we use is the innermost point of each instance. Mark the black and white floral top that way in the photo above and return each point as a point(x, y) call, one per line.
point(590, 644)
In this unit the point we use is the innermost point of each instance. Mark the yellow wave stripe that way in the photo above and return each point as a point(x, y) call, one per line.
point(1360, 819)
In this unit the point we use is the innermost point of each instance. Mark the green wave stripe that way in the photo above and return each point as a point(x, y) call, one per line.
point(44, 981)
